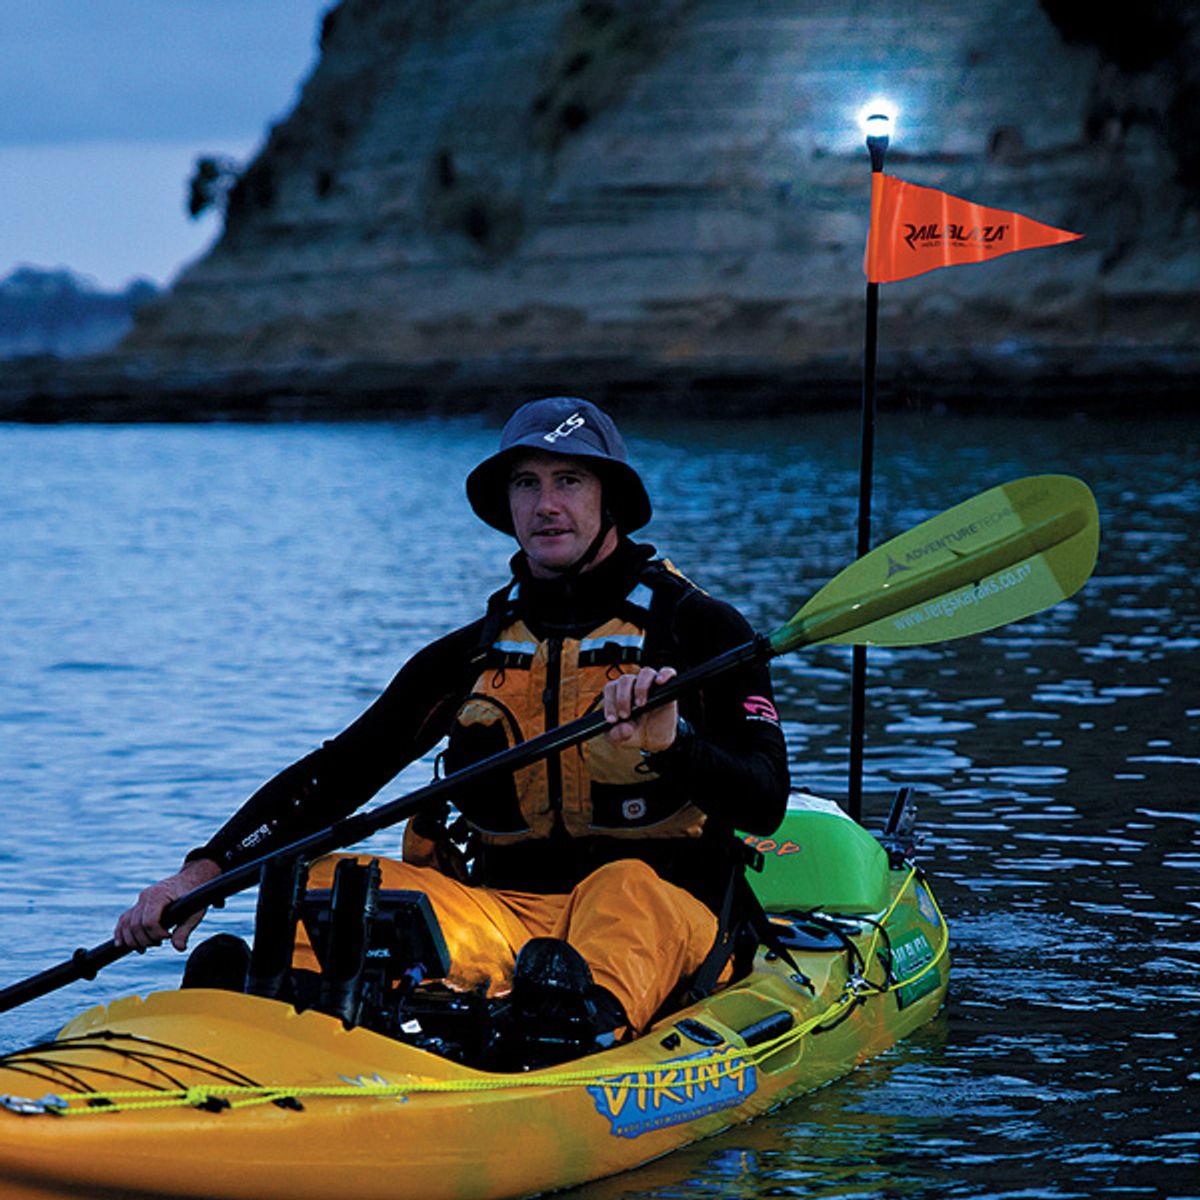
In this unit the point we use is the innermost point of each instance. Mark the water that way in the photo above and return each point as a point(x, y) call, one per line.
point(185, 610)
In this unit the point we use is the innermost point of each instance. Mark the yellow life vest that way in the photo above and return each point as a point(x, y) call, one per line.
point(527, 685)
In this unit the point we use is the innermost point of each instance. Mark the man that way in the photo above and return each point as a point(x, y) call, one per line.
point(601, 869)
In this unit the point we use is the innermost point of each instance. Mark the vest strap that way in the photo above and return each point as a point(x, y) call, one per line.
point(495, 617)
point(741, 914)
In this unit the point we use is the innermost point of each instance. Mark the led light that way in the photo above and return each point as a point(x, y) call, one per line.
point(876, 118)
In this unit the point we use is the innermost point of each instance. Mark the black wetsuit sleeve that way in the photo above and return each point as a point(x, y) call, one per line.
point(413, 714)
point(732, 762)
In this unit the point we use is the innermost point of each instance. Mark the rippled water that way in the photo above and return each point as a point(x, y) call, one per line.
point(185, 610)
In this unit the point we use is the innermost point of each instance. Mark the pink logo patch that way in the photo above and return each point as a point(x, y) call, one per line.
point(760, 709)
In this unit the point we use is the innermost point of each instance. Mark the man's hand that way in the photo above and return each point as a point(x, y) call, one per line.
point(653, 731)
point(141, 927)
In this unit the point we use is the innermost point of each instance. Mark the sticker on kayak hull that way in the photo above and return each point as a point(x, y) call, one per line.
point(675, 1091)
point(374, 1081)
point(925, 906)
point(911, 960)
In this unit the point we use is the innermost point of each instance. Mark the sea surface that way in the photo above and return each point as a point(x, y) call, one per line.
point(186, 610)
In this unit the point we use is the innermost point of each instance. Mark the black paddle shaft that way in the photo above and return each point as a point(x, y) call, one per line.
point(84, 964)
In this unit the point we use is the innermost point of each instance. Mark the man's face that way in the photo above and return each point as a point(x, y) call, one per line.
point(556, 510)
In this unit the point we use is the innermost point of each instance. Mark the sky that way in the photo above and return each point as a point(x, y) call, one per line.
point(105, 106)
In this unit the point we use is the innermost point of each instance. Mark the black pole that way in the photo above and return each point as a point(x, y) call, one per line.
point(877, 145)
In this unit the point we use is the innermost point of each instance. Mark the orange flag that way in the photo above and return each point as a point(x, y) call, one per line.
point(918, 229)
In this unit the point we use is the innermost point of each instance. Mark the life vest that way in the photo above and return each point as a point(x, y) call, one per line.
point(527, 685)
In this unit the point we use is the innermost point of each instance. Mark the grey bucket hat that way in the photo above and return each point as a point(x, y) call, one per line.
point(573, 428)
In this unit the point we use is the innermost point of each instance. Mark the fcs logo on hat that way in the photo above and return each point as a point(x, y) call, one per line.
point(568, 427)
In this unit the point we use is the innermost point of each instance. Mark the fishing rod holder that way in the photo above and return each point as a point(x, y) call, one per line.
point(899, 837)
point(374, 945)
point(280, 893)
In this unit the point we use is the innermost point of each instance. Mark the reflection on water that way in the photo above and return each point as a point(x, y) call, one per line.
point(183, 611)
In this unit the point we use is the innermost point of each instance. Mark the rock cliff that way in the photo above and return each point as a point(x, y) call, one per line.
point(552, 192)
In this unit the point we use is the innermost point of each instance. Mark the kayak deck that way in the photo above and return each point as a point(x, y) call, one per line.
point(203, 1093)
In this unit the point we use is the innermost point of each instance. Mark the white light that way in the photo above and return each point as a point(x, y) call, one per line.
point(876, 117)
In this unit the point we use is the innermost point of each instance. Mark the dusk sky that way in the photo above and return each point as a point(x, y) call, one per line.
point(104, 108)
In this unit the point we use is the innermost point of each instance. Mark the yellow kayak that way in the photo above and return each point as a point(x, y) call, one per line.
point(203, 1093)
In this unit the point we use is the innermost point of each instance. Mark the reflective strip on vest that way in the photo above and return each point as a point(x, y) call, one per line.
point(613, 639)
point(642, 596)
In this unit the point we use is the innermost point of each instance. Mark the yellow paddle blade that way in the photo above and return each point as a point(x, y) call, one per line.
point(1005, 554)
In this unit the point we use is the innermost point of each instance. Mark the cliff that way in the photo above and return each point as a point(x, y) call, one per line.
point(670, 196)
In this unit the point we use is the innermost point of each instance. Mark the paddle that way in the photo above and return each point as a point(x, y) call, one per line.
point(1005, 554)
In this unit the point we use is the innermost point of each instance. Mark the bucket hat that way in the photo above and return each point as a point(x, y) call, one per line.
point(573, 428)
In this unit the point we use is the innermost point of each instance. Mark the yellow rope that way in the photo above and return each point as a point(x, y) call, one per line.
point(939, 954)
point(719, 1064)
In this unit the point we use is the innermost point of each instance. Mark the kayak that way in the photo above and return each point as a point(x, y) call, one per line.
point(218, 1094)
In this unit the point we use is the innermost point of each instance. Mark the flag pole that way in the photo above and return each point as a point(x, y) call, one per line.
point(990, 232)
point(877, 125)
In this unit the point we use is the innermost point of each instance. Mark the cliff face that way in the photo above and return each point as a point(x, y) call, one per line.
point(679, 182)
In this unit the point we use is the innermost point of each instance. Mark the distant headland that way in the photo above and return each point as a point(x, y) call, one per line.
point(665, 202)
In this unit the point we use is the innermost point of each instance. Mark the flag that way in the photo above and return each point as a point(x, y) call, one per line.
point(917, 229)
